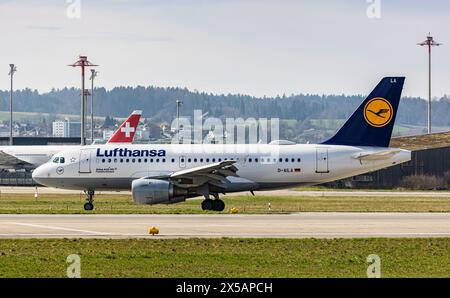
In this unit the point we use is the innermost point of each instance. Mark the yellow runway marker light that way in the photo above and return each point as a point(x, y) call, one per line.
point(234, 210)
point(153, 231)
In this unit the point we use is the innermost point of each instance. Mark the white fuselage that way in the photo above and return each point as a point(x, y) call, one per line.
point(260, 166)
point(32, 156)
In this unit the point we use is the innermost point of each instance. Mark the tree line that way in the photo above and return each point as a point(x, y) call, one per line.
point(159, 104)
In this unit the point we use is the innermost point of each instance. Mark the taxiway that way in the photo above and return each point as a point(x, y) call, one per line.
point(297, 225)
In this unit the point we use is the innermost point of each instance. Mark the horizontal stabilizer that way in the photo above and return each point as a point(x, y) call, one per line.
point(376, 155)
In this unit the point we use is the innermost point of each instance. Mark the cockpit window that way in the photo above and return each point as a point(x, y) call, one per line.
point(59, 160)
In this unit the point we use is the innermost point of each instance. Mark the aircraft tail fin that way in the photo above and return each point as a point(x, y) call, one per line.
point(372, 123)
point(125, 133)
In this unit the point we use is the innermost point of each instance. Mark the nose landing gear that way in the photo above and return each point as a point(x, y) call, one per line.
point(89, 205)
point(213, 205)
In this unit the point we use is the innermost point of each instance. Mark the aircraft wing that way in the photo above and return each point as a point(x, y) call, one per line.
point(8, 161)
point(214, 173)
point(376, 155)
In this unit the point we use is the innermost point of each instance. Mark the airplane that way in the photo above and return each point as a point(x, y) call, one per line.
point(172, 173)
point(30, 157)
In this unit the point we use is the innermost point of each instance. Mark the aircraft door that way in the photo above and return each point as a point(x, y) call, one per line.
point(322, 160)
point(85, 161)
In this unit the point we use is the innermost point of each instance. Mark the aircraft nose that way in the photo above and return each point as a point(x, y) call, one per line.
point(40, 174)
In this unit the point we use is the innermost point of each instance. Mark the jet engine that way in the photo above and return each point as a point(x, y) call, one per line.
point(155, 191)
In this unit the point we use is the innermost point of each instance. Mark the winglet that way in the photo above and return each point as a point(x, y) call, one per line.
point(125, 133)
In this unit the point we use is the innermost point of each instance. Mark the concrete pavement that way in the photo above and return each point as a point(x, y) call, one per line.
point(299, 225)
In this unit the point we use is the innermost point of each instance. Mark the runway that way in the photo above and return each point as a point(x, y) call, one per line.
point(298, 225)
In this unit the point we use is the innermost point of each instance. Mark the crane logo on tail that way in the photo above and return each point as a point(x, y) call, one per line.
point(378, 112)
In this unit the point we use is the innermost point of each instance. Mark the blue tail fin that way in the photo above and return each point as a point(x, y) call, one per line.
point(372, 123)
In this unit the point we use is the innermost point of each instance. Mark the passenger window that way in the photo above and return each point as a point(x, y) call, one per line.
point(163, 160)
point(249, 160)
point(157, 160)
point(195, 159)
point(280, 160)
point(256, 160)
point(207, 160)
point(299, 159)
point(173, 159)
point(139, 160)
point(286, 159)
point(292, 159)
point(121, 160)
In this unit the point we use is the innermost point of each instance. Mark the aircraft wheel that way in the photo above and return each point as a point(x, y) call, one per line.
point(207, 204)
point(88, 206)
point(218, 205)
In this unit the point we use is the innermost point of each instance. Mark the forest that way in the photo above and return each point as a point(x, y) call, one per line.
point(158, 104)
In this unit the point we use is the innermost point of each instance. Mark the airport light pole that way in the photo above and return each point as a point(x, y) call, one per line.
point(87, 94)
point(94, 73)
point(83, 63)
point(179, 103)
point(12, 70)
point(430, 42)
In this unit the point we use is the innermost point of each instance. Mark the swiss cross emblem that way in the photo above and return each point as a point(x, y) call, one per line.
point(127, 129)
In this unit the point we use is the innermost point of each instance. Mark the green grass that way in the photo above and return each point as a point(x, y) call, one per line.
point(399, 189)
point(225, 257)
point(123, 204)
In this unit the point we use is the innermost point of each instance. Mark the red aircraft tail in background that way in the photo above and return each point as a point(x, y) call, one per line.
point(125, 133)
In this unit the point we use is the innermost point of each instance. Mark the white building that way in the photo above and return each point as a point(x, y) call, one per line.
point(66, 129)
point(59, 129)
point(107, 133)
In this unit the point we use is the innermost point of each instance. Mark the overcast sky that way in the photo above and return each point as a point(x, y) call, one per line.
point(255, 47)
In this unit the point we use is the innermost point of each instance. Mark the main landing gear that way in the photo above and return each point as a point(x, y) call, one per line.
point(213, 205)
point(89, 205)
